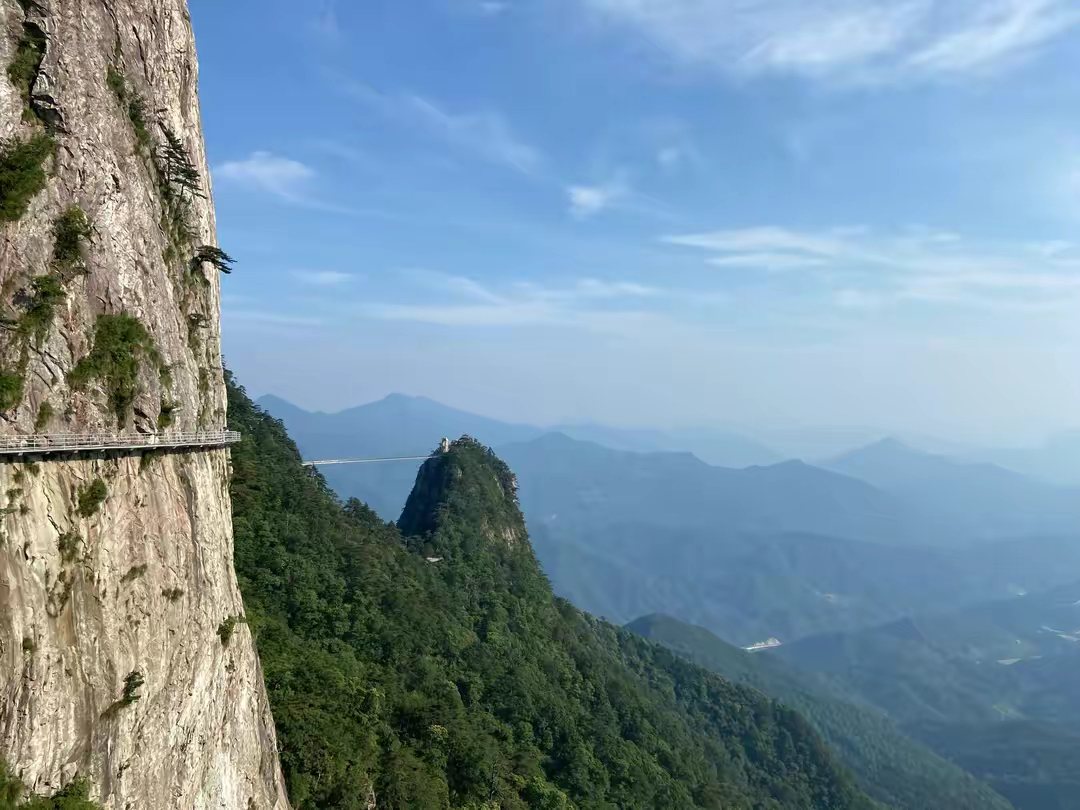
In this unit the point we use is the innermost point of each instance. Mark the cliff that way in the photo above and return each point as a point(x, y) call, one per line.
point(122, 658)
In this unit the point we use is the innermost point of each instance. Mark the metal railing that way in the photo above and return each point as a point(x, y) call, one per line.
point(76, 442)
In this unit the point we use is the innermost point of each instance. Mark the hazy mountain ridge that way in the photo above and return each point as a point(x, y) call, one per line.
point(890, 767)
point(979, 499)
point(401, 683)
point(992, 687)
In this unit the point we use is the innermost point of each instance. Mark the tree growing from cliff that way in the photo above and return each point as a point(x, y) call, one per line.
point(177, 166)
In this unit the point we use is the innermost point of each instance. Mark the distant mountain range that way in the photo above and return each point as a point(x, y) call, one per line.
point(785, 550)
point(974, 500)
point(890, 767)
point(992, 687)
point(1057, 460)
point(894, 578)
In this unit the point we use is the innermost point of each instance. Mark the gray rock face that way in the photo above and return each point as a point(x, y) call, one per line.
point(94, 601)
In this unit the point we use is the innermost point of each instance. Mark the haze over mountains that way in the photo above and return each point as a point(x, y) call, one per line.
point(785, 550)
point(894, 578)
point(992, 687)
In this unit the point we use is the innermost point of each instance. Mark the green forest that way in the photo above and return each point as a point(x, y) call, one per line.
point(433, 664)
point(890, 767)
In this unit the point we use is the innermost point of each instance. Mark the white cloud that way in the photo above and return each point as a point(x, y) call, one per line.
point(595, 304)
point(492, 8)
point(917, 265)
point(485, 133)
point(768, 261)
point(671, 157)
point(267, 172)
point(846, 40)
point(322, 278)
point(767, 240)
point(587, 201)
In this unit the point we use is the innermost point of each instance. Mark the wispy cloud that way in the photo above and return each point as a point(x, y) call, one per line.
point(264, 171)
point(767, 261)
point(492, 8)
point(864, 269)
point(485, 133)
point(601, 305)
point(269, 322)
point(286, 180)
point(322, 278)
point(587, 201)
point(847, 40)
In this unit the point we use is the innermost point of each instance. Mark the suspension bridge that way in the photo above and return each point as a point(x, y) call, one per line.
point(328, 461)
point(444, 447)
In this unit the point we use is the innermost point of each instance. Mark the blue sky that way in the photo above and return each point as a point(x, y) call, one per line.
point(662, 212)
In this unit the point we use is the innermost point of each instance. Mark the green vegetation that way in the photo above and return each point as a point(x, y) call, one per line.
point(467, 684)
point(22, 173)
point(116, 82)
point(173, 594)
point(23, 70)
point(177, 167)
point(133, 104)
point(91, 497)
point(147, 459)
point(71, 230)
point(179, 183)
point(942, 681)
point(215, 256)
point(68, 545)
point(890, 767)
point(132, 683)
point(165, 414)
point(46, 293)
point(226, 628)
point(75, 796)
point(133, 573)
point(44, 416)
point(121, 345)
point(11, 390)
point(29, 645)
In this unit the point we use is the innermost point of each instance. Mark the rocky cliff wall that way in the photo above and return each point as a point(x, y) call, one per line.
point(121, 659)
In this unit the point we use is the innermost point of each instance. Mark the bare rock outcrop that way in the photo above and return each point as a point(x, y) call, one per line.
point(123, 654)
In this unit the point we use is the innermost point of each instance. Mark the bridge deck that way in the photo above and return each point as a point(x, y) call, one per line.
point(83, 442)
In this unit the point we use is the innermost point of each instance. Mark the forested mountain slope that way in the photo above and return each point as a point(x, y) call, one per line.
point(889, 766)
point(992, 688)
point(464, 683)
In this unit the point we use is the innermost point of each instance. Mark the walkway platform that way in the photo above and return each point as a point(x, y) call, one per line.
point(60, 443)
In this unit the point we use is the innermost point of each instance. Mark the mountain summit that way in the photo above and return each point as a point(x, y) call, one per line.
point(443, 673)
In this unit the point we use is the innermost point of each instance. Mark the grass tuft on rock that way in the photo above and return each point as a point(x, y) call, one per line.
point(22, 173)
point(71, 230)
point(24, 68)
point(121, 346)
point(44, 415)
point(91, 497)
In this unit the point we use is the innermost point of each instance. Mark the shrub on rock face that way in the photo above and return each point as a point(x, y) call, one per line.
point(22, 173)
point(121, 346)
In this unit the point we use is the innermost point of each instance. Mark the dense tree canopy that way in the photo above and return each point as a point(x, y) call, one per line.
point(463, 683)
